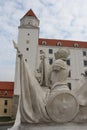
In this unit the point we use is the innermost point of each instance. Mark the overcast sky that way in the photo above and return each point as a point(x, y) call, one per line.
point(59, 19)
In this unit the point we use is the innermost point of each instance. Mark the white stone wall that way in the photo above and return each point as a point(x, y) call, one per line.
point(23, 39)
point(29, 20)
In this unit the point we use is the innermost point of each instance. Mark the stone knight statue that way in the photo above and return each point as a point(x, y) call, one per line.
point(55, 103)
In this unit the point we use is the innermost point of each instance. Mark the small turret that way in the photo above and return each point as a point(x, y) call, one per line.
point(29, 19)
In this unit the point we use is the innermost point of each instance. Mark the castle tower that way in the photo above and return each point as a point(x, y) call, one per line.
point(28, 45)
point(28, 38)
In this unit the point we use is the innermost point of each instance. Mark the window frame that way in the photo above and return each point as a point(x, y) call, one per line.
point(5, 110)
point(69, 75)
point(50, 61)
point(6, 102)
point(84, 53)
point(50, 51)
point(85, 63)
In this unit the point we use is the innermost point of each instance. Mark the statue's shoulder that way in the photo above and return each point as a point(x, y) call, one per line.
point(59, 63)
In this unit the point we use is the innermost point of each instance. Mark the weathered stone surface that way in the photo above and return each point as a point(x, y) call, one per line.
point(68, 126)
point(63, 107)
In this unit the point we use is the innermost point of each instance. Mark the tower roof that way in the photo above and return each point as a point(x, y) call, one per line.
point(30, 13)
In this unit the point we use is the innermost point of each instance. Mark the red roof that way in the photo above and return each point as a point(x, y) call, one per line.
point(30, 13)
point(65, 43)
point(6, 86)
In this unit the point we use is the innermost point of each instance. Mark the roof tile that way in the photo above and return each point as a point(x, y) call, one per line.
point(65, 43)
point(6, 85)
point(30, 13)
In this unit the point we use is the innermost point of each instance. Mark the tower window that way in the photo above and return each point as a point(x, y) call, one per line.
point(27, 41)
point(50, 51)
point(5, 110)
point(27, 49)
point(84, 53)
point(41, 51)
point(6, 102)
point(26, 60)
point(85, 62)
point(68, 62)
point(28, 34)
point(50, 61)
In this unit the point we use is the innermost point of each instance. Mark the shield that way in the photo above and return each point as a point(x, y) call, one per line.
point(62, 107)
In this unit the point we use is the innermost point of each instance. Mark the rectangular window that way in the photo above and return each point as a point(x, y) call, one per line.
point(85, 62)
point(84, 53)
point(6, 102)
point(69, 85)
point(5, 110)
point(69, 74)
point(50, 51)
point(68, 62)
point(50, 61)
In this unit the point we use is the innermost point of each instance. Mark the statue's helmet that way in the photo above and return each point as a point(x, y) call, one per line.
point(62, 53)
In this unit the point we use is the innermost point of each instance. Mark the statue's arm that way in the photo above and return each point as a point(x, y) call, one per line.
point(17, 48)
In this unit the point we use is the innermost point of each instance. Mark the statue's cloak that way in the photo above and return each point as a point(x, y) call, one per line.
point(33, 98)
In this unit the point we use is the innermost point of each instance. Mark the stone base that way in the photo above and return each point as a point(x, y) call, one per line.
point(68, 126)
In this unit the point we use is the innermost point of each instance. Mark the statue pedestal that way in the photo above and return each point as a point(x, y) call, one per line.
point(67, 126)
